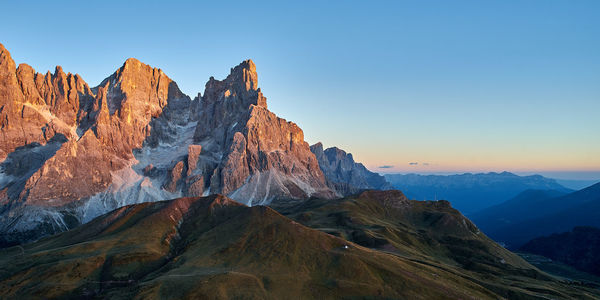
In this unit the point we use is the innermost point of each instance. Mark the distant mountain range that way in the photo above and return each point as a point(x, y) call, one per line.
point(534, 214)
point(579, 248)
point(470, 192)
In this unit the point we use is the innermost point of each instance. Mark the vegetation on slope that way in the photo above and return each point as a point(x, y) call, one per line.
point(214, 247)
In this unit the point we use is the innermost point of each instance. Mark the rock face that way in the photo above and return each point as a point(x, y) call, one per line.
point(69, 153)
point(344, 174)
point(252, 155)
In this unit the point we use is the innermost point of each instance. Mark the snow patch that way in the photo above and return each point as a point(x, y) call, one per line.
point(26, 218)
point(5, 179)
point(165, 154)
point(262, 188)
point(130, 186)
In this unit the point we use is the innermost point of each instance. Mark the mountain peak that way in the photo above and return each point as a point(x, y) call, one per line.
point(132, 60)
point(6, 61)
point(245, 73)
point(58, 71)
point(241, 84)
point(317, 148)
point(4, 52)
point(8, 78)
point(135, 76)
point(247, 64)
point(132, 68)
point(133, 65)
point(344, 174)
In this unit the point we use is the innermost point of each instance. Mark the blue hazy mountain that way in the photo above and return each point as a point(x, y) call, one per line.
point(471, 192)
point(534, 214)
point(576, 184)
point(527, 205)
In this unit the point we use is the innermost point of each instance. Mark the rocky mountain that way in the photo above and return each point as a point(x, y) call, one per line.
point(469, 192)
point(262, 157)
point(70, 152)
point(344, 174)
point(578, 248)
point(536, 214)
point(216, 248)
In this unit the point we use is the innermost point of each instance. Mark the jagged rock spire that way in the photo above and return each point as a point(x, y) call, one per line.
point(245, 73)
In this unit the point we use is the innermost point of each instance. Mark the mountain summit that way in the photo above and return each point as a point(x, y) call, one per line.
point(69, 152)
point(252, 155)
point(344, 174)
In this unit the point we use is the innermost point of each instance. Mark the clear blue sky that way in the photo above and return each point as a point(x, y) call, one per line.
point(459, 85)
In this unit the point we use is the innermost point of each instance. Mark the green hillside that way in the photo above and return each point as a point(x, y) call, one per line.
point(215, 248)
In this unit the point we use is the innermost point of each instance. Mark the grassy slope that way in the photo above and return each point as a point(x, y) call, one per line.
point(215, 248)
point(431, 233)
point(561, 270)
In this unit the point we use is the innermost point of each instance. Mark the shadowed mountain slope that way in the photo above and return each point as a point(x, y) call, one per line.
point(536, 214)
point(526, 205)
point(428, 232)
point(578, 248)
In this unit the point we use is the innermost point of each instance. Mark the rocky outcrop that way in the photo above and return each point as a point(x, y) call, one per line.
point(35, 107)
point(69, 153)
point(62, 143)
point(248, 152)
point(344, 174)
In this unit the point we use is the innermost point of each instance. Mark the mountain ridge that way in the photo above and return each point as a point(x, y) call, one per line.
point(551, 215)
point(344, 174)
point(470, 192)
point(135, 138)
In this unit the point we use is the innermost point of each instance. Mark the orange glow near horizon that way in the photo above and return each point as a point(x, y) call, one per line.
point(427, 161)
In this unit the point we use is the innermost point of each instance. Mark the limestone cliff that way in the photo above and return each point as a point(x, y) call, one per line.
point(344, 175)
point(263, 157)
point(69, 153)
